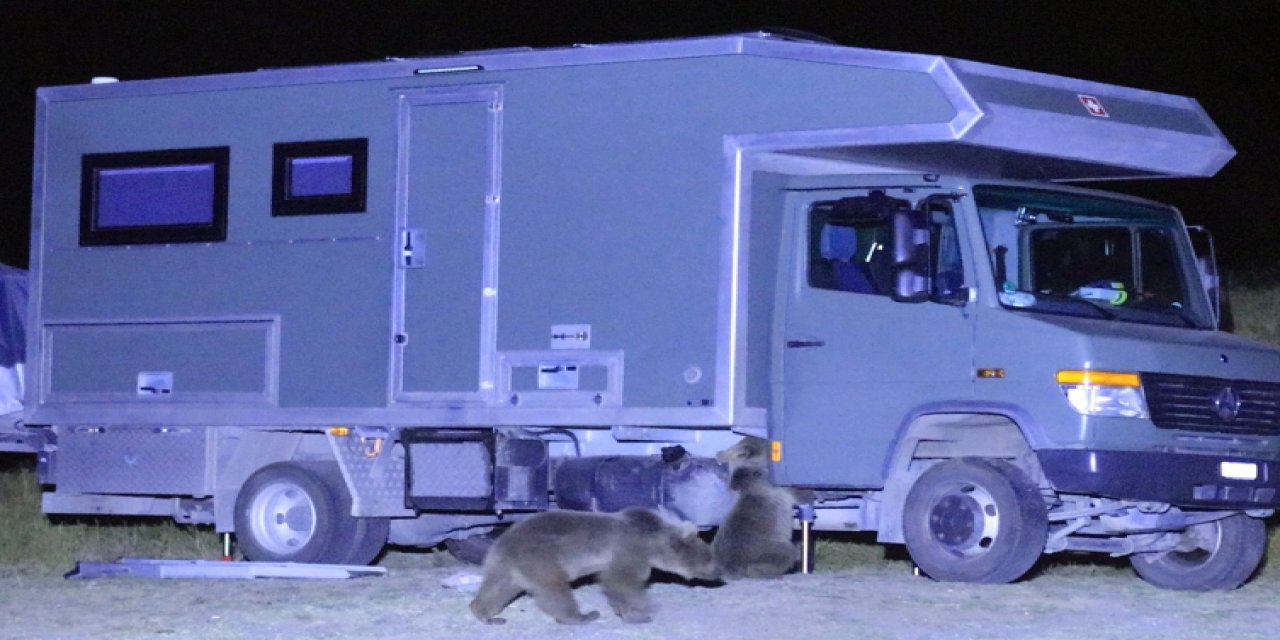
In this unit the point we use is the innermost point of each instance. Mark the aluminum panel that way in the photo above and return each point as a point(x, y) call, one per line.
point(132, 460)
point(203, 360)
point(374, 469)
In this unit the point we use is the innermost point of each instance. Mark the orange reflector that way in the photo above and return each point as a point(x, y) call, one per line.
point(991, 373)
point(775, 450)
point(339, 431)
point(1099, 378)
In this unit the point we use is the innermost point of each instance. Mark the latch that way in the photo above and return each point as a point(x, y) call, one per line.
point(412, 249)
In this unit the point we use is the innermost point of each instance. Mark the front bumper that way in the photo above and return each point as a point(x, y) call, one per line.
point(1185, 480)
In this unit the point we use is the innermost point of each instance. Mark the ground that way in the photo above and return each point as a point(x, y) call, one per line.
point(884, 601)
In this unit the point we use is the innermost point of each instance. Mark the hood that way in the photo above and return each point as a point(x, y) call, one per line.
point(1125, 346)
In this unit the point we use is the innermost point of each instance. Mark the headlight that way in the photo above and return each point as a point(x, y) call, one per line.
point(1103, 393)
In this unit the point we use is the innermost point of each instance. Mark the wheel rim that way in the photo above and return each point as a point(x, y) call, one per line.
point(1206, 538)
point(283, 518)
point(964, 520)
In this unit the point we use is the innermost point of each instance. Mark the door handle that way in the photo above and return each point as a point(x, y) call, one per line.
point(801, 344)
point(412, 253)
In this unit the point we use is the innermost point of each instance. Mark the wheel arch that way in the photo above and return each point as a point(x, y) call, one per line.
point(943, 432)
point(242, 452)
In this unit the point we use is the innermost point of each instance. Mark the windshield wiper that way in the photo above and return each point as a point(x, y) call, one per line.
point(1165, 312)
point(1058, 303)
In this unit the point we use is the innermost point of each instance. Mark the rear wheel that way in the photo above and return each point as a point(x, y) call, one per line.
point(974, 520)
point(286, 513)
point(371, 537)
point(1212, 556)
point(298, 512)
point(363, 538)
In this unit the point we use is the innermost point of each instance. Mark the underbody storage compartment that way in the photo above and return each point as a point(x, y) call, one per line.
point(475, 470)
point(133, 460)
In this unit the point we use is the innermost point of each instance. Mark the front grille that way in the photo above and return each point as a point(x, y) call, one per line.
point(1193, 403)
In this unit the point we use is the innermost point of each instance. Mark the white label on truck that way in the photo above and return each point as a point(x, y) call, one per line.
point(570, 336)
point(1239, 470)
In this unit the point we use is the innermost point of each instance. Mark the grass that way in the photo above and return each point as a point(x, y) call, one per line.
point(33, 542)
point(1255, 305)
point(837, 551)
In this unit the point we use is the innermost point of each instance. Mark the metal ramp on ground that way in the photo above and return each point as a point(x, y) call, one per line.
point(219, 570)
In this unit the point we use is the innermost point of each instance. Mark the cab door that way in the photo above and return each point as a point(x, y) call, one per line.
point(856, 364)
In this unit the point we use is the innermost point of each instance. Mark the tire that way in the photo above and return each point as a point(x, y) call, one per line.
point(287, 512)
point(1220, 555)
point(975, 520)
point(362, 538)
point(371, 537)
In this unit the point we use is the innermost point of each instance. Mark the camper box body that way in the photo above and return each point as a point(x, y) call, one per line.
point(568, 252)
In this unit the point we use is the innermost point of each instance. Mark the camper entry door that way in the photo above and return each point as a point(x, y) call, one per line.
point(445, 298)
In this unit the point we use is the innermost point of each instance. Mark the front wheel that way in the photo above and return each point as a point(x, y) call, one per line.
point(1216, 555)
point(974, 520)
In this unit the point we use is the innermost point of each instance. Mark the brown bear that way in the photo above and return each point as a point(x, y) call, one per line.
point(544, 554)
point(750, 451)
point(754, 541)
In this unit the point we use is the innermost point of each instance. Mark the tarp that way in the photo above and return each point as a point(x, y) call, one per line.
point(13, 343)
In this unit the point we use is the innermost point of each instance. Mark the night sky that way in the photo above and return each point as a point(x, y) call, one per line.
point(1221, 53)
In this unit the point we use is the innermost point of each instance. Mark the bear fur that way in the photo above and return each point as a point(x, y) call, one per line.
point(754, 541)
point(544, 554)
point(748, 452)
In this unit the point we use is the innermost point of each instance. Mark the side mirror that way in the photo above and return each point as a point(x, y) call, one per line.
point(1211, 279)
point(911, 253)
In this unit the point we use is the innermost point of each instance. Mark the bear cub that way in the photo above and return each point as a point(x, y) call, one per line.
point(750, 451)
point(544, 554)
point(754, 541)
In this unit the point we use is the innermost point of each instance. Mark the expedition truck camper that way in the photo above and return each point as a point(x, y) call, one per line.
point(410, 301)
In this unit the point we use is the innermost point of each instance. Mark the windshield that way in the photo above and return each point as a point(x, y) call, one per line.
point(1070, 254)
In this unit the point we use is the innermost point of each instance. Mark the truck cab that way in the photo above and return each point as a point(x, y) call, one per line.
point(940, 335)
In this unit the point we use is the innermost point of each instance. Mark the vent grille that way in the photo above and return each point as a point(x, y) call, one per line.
point(1196, 403)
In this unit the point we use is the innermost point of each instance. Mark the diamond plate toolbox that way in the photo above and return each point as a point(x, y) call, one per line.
point(134, 460)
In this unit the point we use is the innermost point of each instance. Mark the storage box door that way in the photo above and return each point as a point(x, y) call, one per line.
point(445, 280)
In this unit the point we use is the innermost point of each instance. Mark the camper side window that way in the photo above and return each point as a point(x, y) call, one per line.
point(321, 176)
point(153, 197)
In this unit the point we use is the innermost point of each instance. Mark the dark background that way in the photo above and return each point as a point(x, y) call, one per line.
point(1222, 53)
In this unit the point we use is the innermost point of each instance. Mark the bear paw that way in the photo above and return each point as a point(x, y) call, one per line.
point(581, 619)
point(635, 616)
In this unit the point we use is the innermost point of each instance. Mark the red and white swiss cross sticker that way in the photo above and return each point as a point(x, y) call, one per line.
point(1093, 106)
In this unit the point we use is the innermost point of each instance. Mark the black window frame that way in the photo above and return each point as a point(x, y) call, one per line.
point(91, 166)
point(285, 204)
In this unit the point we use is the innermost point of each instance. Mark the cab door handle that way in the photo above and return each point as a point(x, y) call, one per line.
point(803, 344)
